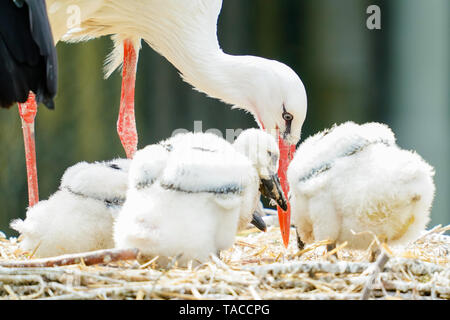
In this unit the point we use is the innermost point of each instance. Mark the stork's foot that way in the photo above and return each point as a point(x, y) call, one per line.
point(27, 112)
point(331, 247)
point(300, 243)
point(374, 254)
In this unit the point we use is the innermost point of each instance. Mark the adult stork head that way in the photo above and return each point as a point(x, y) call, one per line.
point(277, 99)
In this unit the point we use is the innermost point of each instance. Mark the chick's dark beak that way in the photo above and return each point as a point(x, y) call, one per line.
point(258, 222)
point(271, 188)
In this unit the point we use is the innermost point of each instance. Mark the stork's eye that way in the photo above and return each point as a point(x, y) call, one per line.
point(287, 116)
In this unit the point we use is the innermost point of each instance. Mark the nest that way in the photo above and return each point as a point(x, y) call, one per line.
point(256, 267)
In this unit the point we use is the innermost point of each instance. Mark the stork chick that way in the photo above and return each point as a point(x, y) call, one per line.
point(190, 194)
point(352, 182)
point(79, 216)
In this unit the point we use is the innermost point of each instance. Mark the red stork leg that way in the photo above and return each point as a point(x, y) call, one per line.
point(27, 112)
point(126, 124)
point(284, 217)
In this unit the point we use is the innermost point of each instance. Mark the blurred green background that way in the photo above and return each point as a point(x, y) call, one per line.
point(398, 75)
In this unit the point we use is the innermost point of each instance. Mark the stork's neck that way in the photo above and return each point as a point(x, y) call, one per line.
point(213, 72)
point(220, 76)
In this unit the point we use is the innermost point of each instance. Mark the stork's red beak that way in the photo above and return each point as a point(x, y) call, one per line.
point(286, 154)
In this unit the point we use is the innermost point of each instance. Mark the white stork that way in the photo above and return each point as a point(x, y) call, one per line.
point(79, 216)
point(185, 33)
point(352, 182)
point(190, 194)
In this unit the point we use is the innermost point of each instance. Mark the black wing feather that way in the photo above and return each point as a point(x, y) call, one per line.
point(28, 60)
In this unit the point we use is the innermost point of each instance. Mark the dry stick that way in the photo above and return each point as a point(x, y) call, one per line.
point(340, 267)
point(436, 230)
point(132, 289)
point(89, 258)
point(378, 266)
point(405, 286)
point(311, 296)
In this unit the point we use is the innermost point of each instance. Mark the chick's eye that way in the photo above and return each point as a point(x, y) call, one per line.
point(287, 116)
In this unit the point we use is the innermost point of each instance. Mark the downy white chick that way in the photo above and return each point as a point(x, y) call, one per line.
point(354, 178)
point(79, 216)
point(190, 194)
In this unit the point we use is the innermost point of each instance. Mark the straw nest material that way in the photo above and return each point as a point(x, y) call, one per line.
point(256, 267)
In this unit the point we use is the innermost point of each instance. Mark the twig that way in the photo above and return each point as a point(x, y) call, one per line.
point(311, 296)
point(424, 288)
point(89, 258)
point(335, 250)
point(10, 291)
point(256, 260)
point(378, 266)
point(133, 289)
point(312, 247)
point(339, 267)
point(436, 230)
point(219, 262)
point(145, 265)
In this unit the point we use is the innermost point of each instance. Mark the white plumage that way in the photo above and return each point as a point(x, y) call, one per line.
point(355, 179)
point(185, 33)
point(79, 216)
point(190, 194)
